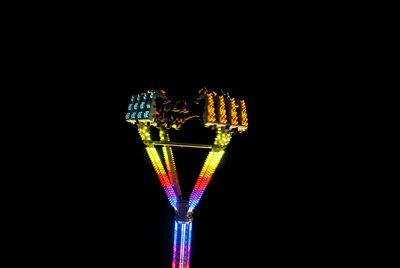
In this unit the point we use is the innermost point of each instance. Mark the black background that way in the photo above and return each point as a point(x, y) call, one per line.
point(266, 203)
point(286, 191)
point(272, 200)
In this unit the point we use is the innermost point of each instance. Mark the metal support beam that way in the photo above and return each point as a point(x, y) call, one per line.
point(182, 144)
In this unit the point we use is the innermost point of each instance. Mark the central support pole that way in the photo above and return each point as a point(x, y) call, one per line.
point(182, 241)
point(182, 236)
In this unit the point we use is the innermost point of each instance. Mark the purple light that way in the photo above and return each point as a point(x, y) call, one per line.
point(182, 244)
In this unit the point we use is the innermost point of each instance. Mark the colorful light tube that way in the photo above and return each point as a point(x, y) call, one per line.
point(144, 132)
point(204, 178)
point(162, 175)
point(170, 163)
point(171, 169)
point(222, 140)
point(194, 195)
point(182, 244)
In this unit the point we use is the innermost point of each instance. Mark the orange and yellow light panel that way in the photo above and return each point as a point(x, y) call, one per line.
point(224, 111)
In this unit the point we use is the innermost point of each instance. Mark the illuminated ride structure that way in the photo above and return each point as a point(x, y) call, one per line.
point(223, 114)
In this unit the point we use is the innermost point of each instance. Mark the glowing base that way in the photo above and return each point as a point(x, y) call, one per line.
point(182, 240)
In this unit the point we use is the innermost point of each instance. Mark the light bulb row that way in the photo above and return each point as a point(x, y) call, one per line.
point(171, 169)
point(194, 194)
point(204, 179)
point(243, 113)
point(182, 244)
point(162, 175)
point(211, 109)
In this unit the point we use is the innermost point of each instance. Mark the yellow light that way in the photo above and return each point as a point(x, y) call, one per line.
point(222, 139)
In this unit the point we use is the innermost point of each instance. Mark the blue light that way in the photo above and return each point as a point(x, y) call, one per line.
point(140, 115)
point(136, 106)
point(130, 107)
point(133, 116)
point(127, 116)
point(142, 105)
point(146, 114)
point(183, 233)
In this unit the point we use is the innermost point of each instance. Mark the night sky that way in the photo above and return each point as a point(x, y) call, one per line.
point(265, 205)
point(261, 205)
point(86, 192)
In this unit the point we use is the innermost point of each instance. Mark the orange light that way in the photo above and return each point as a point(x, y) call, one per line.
point(243, 114)
point(222, 110)
point(233, 113)
point(210, 108)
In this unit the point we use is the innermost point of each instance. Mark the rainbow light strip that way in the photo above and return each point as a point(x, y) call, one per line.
point(211, 163)
point(162, 175)
point(171, 169)
point(214, 157)
point(170, 163)
point(182, 244)
point(144, 132)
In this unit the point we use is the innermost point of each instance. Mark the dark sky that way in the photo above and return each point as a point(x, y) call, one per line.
point(86, 190)
point(262, 204)
point(266, 203)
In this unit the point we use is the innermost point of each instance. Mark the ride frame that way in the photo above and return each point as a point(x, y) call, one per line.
point(170, 182)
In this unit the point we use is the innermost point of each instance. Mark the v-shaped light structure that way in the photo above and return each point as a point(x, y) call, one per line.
point(221, 113)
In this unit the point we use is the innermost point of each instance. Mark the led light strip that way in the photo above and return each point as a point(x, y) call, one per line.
point(182, 255)
point(189, 244)
point(162, 175)
point(195, 192)
point(222, 139)
point(222, 110)
point(210, 108)
point(144, 132)
point(233, 113)
point(175, 238)
point(182, 244)
point(205, 180)
point(243, 113)
point(171, 168)
point(170, 163)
